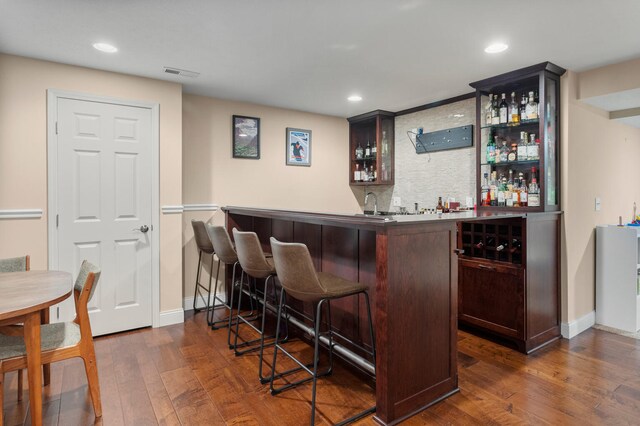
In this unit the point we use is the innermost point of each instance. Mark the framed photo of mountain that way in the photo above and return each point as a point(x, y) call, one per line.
point(246, 137)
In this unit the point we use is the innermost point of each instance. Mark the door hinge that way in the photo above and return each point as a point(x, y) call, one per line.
point(56, 127)
point(57, 220)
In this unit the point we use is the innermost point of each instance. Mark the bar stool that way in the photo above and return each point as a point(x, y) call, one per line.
point(258, 266)
point(226, 254)
point(299, 279)
point(204, 246)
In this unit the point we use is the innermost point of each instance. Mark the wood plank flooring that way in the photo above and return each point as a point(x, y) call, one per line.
point(185, 374)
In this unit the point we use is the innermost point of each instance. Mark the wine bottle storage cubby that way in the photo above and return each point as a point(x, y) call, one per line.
point(500, 241)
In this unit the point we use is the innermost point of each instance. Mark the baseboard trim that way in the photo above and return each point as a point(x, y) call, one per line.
point(573, 328)
point(187, 302)
point(174, 316)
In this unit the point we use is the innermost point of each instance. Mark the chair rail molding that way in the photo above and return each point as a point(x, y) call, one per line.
point(21, 214)
point(178, 209)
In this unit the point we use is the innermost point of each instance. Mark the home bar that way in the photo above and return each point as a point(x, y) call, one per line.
point(286, 213)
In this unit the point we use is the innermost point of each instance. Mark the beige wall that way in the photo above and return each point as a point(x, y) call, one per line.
point(599, 159)
point(610, 79)
point(211, 175)
point(23, 154)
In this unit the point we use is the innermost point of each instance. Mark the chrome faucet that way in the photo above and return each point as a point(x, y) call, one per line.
point(375, 201)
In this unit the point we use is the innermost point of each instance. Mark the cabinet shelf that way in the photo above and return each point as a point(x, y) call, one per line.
point(526, 123)
point(513, 163)
point(362, 160)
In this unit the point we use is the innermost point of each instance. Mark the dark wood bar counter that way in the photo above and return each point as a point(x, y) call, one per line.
point(410, 266)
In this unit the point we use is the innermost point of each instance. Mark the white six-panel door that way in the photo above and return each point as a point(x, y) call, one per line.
point(104, 207)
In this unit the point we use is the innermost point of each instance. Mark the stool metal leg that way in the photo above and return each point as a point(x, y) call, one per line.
point(240, 318)
point(223, 304)
point(233, 286)
point(199, 286)
point(316, 359)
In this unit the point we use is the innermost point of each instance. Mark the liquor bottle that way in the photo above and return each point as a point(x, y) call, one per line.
point(493, 189)
point(515, 194)
point(488, 110)
point(502, 188)
point(513, 153)
point(491, 150)
point(523, 108)
point(359, 152)
point(479, 245)
point(515, 245)
point(534, 190)
point(508, 196)
point(533, 148)
point(485, 190)
point(367, 150)
point(440, 207)
point(504, 110)
point(374, 149)
point(504, 152)
point(522, 147)
point(524, 198)
point(532, 108)
point(514, 111)
point(356, 173)
point(495, 111)
point(375, 175)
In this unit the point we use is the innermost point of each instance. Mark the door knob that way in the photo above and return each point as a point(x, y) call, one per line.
point(144, 229)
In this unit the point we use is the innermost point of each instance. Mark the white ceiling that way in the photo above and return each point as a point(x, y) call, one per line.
point(311, 54)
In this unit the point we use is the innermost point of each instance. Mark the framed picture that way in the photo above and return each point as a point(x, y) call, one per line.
point(298, 147)
point(246, 137)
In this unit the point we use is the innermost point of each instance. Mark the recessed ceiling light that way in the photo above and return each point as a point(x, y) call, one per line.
point(105, 47)
point(496, 48)
point(354, 98)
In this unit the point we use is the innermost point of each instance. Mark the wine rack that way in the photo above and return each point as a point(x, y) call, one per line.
point(493, 240)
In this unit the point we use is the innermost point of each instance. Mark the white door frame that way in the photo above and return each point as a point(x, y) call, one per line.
point(52, 178)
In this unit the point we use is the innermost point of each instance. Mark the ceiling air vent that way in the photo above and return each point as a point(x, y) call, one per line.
point(182, 73)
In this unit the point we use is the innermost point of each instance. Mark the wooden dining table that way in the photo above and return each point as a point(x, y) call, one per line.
point(25, 297)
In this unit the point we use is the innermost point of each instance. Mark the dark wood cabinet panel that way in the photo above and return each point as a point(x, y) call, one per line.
point(492, 296)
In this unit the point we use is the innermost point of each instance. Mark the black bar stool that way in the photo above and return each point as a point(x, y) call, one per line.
point(203, 243)
point(226, 254)
point(299, 279)
point(258, 266)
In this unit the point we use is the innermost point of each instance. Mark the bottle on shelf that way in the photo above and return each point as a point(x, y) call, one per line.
point(356, 173)
point(534, 190)
point(514, 111)
point(367, 150)
point(493, 190)
point(515, 245)
point(522, 147)
point(359, 152)
point(495, 111)
point(479, 245)
point(502, 189)
point(439, 207)
point(504, 152)
point(523, 108)
point(509, 192)
point(486, 198)
point(524, 199)
point(515, 194)
point(491, 149)
point(374, 149)
point(504, 110)
point(532, 108)
point(533, 148)
point(488, 110)
point(513, 153)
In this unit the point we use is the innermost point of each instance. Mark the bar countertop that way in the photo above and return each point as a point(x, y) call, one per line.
point(369, 220)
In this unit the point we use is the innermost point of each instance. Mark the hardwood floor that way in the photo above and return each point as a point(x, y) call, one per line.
point(184, 374)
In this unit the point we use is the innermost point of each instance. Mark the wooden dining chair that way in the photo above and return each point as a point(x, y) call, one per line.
point(19, 264)
point(61, 341)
